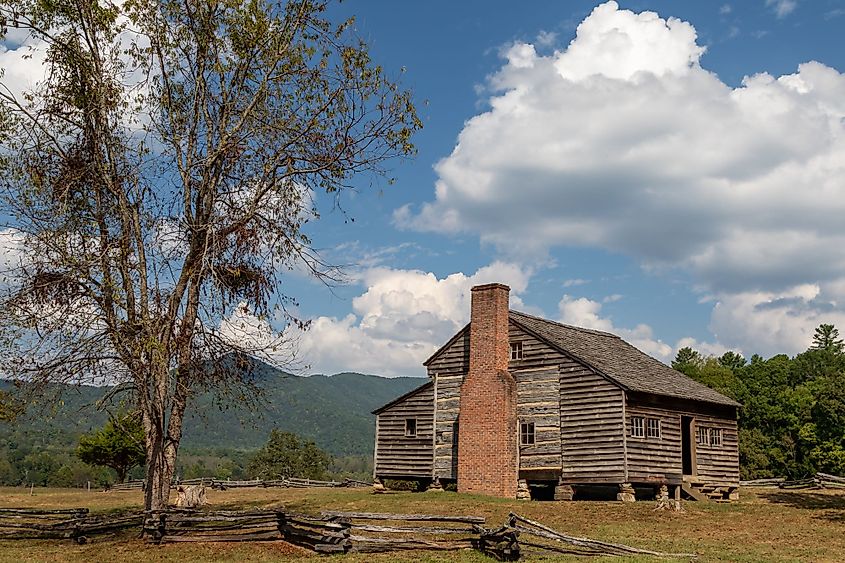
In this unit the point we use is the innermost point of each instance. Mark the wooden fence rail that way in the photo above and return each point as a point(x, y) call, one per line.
point(762, 482)
point(287, 482)
point(376, 532)
point(579, 546)
point(331, 532)
point(75, 523)
point(817, 481)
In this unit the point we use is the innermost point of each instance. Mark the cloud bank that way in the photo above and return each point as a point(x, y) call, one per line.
point(402, 318)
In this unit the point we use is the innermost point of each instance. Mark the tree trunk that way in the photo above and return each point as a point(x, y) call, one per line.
point(163, 435)
point(159, 474)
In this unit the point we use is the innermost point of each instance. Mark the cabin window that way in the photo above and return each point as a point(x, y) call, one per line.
point(637, 427)
point(709, 436)
point(526, 434)
point(516, 350)
point(715, 436)
point(652, 427)
point(410, 427)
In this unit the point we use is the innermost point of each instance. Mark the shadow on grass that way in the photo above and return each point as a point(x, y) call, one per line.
point(832, 506)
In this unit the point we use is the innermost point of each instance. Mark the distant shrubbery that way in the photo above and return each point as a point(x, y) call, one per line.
point(26, 464)
point(287, 455)
point(118, 445)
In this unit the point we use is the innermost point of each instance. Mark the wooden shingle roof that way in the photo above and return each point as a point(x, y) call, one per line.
point(619, 361)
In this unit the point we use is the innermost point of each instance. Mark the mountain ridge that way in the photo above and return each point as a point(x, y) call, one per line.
point(332, 410)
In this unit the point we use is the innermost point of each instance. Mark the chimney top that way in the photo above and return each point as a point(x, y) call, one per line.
point(487, 286)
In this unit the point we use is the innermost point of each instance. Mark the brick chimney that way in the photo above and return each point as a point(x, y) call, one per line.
point(487, 448)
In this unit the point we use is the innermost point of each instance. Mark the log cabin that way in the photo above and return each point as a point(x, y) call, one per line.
point(516, 403)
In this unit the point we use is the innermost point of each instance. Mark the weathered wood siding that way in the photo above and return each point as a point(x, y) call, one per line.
point(582, 422)
point(718, 464)
point(400, 456)
point(654, 458)
point(663, 457)
point(588, 413)
point(535, 352)
point(448, 371)
point(538, 401)
point(591, 426)
point(454, 358)
point(448, 386)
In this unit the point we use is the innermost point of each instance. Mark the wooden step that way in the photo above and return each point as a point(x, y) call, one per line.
point(694, 493)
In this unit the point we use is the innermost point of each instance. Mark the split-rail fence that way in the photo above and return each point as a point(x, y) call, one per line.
point(817, 481)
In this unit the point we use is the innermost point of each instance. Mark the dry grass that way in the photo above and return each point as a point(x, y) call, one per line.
point(766, 525)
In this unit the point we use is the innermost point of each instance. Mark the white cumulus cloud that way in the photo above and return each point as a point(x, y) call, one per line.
point(400, 320)
point(623, 141)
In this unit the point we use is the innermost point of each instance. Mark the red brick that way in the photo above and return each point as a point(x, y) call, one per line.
point(487, 424)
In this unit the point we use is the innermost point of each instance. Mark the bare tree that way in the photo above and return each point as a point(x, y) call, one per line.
point(159, 181)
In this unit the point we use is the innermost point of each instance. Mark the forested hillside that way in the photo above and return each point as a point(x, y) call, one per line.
point(333, 411)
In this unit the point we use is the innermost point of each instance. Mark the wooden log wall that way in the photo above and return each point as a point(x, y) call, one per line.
point(538, 401)
point(718, 464)
point(650, 457)
point(454, 356)
point(537, 377)
point(399, 456)
point(448, 371)
point(591, 426)
point(537, 397)
point(579, 429)
point(654, 459)
point(584, 432)
point(535, 353)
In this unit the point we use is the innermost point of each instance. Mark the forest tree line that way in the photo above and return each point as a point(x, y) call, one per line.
point(24, 462)
point(792, 420)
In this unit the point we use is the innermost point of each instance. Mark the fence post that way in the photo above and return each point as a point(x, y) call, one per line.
point(281, 521)
point(161, 529)
point(76, 534)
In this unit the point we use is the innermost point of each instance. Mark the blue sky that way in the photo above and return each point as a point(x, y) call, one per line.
point(668, 171)
point(658, 283)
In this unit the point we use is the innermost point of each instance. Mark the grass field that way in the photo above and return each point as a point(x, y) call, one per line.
point(765, 525)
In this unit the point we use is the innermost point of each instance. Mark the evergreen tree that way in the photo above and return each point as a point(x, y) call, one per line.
point(732, 360)
point(687, 361)
point(827, 338)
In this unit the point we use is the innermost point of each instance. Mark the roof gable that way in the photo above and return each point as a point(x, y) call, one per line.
point(407, 395)
point(446, 346)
